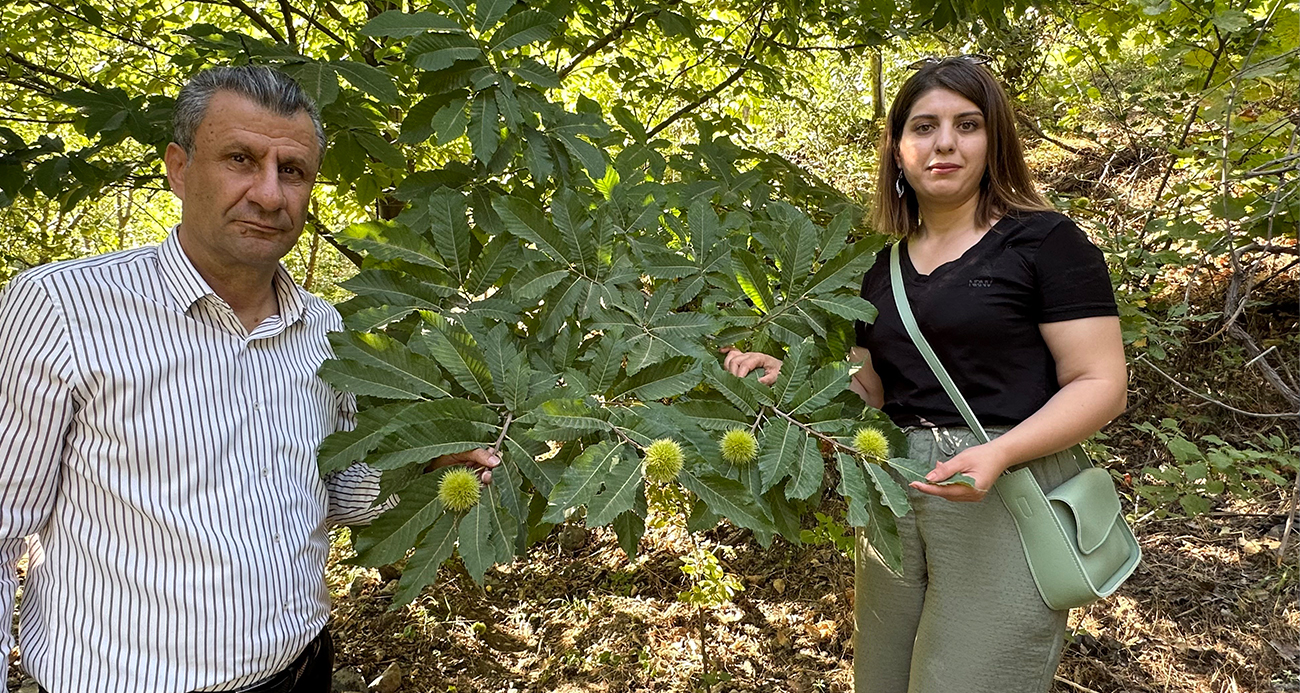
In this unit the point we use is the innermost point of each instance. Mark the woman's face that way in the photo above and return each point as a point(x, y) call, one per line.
point(943, 149)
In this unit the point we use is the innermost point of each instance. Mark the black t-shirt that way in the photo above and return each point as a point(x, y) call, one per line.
point(981, 314)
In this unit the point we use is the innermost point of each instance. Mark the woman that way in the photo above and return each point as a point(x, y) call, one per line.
point(1017, 303)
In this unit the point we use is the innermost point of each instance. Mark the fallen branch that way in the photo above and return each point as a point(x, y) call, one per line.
point(1073, 685)
point(1170, 378)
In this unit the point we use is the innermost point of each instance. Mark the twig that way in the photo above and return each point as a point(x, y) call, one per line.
point(1290, 521)
point(1073, 685)
point(257, 18)
point(49, 71)
point(496, 447)
point(1262, 354)
point(1170, 378)
point(841, 49)
point(755, 45)
point(631, 19)
point(817, 434)
point(287, 11)
point(618, 431)
point(1024, 120)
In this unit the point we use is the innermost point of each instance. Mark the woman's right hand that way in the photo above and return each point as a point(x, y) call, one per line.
point(740, 363)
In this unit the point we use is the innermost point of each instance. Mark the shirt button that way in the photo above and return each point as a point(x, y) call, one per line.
point(266, 472)
point(276, 538)
point(257, 406)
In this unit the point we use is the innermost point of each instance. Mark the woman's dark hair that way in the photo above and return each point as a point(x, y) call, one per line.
point(1007, 184)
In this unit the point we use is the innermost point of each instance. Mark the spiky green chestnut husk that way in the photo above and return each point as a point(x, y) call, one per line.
point(872, 443)
point(738, 447)
point(459, 490)
point(663, 461)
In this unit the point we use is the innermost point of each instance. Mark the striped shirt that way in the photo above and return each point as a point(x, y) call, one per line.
point(164, 458)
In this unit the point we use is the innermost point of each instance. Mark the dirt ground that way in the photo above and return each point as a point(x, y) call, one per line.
point(1210, 610)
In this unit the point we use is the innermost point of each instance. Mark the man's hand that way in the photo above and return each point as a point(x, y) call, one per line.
point(480, 461)
point(740, 363)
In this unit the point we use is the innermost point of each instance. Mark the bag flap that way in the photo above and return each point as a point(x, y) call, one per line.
point(1092, 500)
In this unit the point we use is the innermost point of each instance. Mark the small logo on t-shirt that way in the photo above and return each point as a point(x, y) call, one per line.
point(981, 283)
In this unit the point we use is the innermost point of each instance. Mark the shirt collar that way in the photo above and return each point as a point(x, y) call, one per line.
point(188, 286)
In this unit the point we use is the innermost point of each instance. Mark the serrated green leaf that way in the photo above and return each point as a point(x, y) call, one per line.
point(529, 222)
point(542, 475)
point(847, 307)
point(398, 24)
point(729, 498)
point(390, 241)
point(835, 274)
point(915, 470)
point(733, 388)
point(853, 488)
point(680, 330)
point(882, 532)
point(582, 479)
point(606, 360)
point(534, 72)
point(428, 440)
point(808, 471)
point(799, 238)
point(825, 385)
point(667, 379)
point(342, 449)
point(392, 534)
point(488, 12)
point(752, 278)
point(835, 236)
point(507, 481)
point(794, 371)
point(376, 317)
point(450, 230)
point(484, 129)
point(630, 528)
point(371, 80)
point(577, 230)
point(477, 549)
point(782, 444)
point(379, 351)
point(397, 289)
point(571, 414)
point(349, 376)
point(422, 567)
point(499, 256)
point(450, 122)
point(713, 415)
point(319, 81)
point(380, 149)
point(892, 494)
point(522, 29)
point(454, 349)
point(435, 52)
point(498, 348)
point(623, 485)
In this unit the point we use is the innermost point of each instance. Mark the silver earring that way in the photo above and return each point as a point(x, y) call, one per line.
point(898, 184)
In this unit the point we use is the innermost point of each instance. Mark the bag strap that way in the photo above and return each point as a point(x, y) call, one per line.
point(913, 331)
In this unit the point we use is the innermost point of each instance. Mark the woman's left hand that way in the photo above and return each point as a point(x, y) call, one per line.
point(983, 463)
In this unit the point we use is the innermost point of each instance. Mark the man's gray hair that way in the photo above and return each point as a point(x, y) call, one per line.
point(267, 87)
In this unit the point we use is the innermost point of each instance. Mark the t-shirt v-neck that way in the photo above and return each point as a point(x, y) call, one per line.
point(910, 273)
point(981, 314)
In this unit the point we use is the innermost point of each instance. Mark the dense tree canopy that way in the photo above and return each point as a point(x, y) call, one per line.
point(550, 215)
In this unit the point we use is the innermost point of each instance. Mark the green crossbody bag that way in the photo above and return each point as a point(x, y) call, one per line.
point(1076, 541)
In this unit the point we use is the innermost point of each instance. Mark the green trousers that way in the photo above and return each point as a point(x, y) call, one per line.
point(965, 615)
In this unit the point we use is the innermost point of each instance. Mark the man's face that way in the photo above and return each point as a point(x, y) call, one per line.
point(245, 190)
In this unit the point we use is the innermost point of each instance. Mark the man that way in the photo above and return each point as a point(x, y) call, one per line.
point(161, 413)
